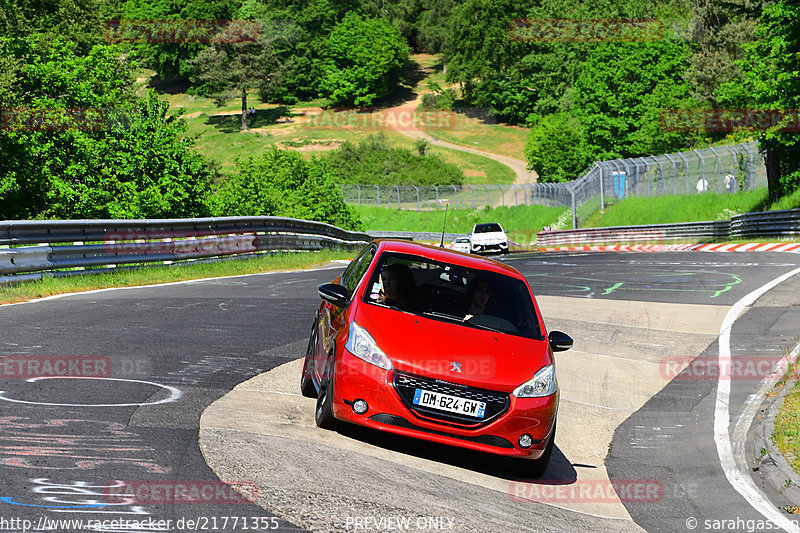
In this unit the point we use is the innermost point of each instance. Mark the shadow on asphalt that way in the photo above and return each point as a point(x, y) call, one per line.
point(559, 472)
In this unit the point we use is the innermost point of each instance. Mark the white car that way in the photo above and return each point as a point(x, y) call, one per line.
point(488, 238)
point(461, 244)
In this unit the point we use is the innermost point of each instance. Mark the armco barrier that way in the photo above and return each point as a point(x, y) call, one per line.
point(767, 224)
point(100, 244)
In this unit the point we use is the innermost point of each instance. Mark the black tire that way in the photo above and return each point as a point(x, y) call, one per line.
point(323, 415)
point(307, 388)
point(536, 468)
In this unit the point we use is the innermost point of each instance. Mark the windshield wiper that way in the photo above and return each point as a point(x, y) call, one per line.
point(445, 316)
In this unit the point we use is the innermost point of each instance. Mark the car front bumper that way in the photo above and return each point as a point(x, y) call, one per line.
point(359, 380)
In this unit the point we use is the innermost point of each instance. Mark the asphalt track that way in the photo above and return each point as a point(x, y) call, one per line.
point(175, 350)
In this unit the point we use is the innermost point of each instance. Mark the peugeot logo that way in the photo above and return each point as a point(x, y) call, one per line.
point(455, 366)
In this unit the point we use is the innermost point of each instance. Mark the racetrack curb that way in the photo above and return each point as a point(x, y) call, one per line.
point(792, 247)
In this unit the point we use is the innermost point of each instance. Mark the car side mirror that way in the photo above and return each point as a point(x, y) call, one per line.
point(334, 294)
point(559, 341)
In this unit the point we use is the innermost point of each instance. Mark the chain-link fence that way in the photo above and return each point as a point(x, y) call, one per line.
point(718, 169)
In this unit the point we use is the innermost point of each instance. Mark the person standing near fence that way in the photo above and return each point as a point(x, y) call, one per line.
point(730, 182)
point(702, 185)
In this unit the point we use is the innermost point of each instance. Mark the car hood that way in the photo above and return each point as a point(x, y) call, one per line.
point(453, 352)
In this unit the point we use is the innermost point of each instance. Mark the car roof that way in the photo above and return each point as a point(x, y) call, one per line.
point(446, 255)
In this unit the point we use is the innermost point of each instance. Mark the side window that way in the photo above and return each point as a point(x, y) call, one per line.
point(357, 269)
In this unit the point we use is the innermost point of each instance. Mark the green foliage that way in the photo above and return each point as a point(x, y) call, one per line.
point(136, 166)
point(362, 60)
point(621, 93)
point(439, 98)
point(172, 58)
point(282, 183)
point(231, 67)
point(374, 162)
point(771, 80)
point(556, 148)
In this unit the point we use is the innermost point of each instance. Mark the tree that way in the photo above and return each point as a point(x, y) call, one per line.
point(123, 163)
point(771, 81)
point(556, 148)
point(282, 183)
point(622, 92)
point(233, 65)
point(362, 60)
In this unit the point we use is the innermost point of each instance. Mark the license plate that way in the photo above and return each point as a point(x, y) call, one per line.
point(452, 404)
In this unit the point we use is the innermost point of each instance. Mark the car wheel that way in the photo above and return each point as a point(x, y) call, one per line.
point(323, 415)
point(536, 468)
point(307, 388)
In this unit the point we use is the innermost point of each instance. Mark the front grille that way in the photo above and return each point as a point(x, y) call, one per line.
point(399, 421)
point(406, 385)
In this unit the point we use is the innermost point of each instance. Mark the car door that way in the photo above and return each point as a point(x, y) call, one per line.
point(332, 318)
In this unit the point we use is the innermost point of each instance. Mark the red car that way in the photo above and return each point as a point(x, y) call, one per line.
point(438, 345)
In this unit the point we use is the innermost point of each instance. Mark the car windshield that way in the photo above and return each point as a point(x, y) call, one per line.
point(488, 228)
point(451, 293)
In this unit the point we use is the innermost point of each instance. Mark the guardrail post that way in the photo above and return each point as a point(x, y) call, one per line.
point(397, 188)
point(660, 175)
point(502, 195)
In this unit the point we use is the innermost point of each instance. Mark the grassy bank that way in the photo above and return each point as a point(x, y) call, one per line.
point(150, 276)
point(668, 209)
point(522, 222)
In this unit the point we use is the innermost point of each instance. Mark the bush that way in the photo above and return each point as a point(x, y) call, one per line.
point(374, 162)
point(282, 183)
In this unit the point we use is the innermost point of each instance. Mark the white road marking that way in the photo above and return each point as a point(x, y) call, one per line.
point(174, 394)
point(736, 471)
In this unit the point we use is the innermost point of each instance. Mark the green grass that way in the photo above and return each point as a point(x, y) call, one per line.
point(791, 201)
point(786, 434)
point(668, 209)
point(148, 276)
point(481, 135)
point(522, 222)
point(477, 169)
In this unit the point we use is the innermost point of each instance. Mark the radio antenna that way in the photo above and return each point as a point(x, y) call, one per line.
point(441, 243)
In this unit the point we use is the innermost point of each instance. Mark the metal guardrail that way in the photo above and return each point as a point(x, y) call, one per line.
point(101, 245)
point(767, 224)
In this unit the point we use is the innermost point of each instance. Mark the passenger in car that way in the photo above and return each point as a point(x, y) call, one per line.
point(478, 294)
point(397, 286)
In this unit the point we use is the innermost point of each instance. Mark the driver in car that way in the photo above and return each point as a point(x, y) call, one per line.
point(478, 294)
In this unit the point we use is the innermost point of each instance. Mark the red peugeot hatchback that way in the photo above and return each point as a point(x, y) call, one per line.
point(437, 345)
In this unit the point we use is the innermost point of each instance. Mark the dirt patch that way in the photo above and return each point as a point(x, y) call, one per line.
point(471, 173)
point(196, 114)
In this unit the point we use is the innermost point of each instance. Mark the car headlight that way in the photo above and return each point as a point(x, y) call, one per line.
point(361, 344)
point(542, 384)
